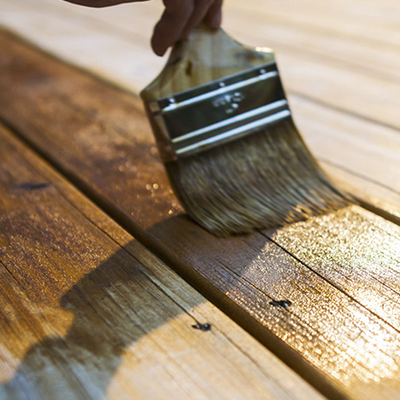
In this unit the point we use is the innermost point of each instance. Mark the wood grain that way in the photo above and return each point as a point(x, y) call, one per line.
point(88, 313)
point(335, 333)
point(106, 42)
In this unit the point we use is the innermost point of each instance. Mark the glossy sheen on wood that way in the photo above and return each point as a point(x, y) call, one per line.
point(86, 312)
point(335, 335)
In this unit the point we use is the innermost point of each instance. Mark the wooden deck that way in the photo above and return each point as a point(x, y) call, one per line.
point(94, 245)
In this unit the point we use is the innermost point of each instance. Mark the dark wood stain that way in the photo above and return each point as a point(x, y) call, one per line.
point(281, 303)
point(34, 186)
point(202, 327)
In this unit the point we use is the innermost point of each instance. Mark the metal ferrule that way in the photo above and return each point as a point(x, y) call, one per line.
point(224, 110)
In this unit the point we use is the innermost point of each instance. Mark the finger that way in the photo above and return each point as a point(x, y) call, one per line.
point(214, 14)
point(200, 10)
point(169, 28)
point(101, 3)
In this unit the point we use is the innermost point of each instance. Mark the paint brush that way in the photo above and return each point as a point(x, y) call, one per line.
point(225, 133)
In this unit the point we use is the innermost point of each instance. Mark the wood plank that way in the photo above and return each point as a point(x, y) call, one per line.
point(373, 21)
point(360, 154)
point(337, 137)
point(86, 312)
point(93, 44)
point(334, 334)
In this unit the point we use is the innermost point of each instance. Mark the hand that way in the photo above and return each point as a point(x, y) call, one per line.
point(180, 17)
point(177, 20)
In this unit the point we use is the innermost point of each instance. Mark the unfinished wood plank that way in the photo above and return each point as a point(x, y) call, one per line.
point(95, 45)
point(255, 22)
point(332, 48)
point(357, 76)
point(87, 312)
point(362, 154)
point(373, 21)
point(99, 138)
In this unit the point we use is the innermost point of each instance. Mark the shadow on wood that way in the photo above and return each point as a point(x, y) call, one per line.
point(87, 312)
point(113, 307)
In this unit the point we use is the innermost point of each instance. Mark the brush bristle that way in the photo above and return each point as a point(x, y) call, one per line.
point(264, 180)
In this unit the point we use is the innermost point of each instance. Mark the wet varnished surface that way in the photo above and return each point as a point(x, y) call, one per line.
point(338, 274)
point(86, 312)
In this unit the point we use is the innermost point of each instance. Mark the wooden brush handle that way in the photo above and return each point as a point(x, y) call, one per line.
point(206, 55)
